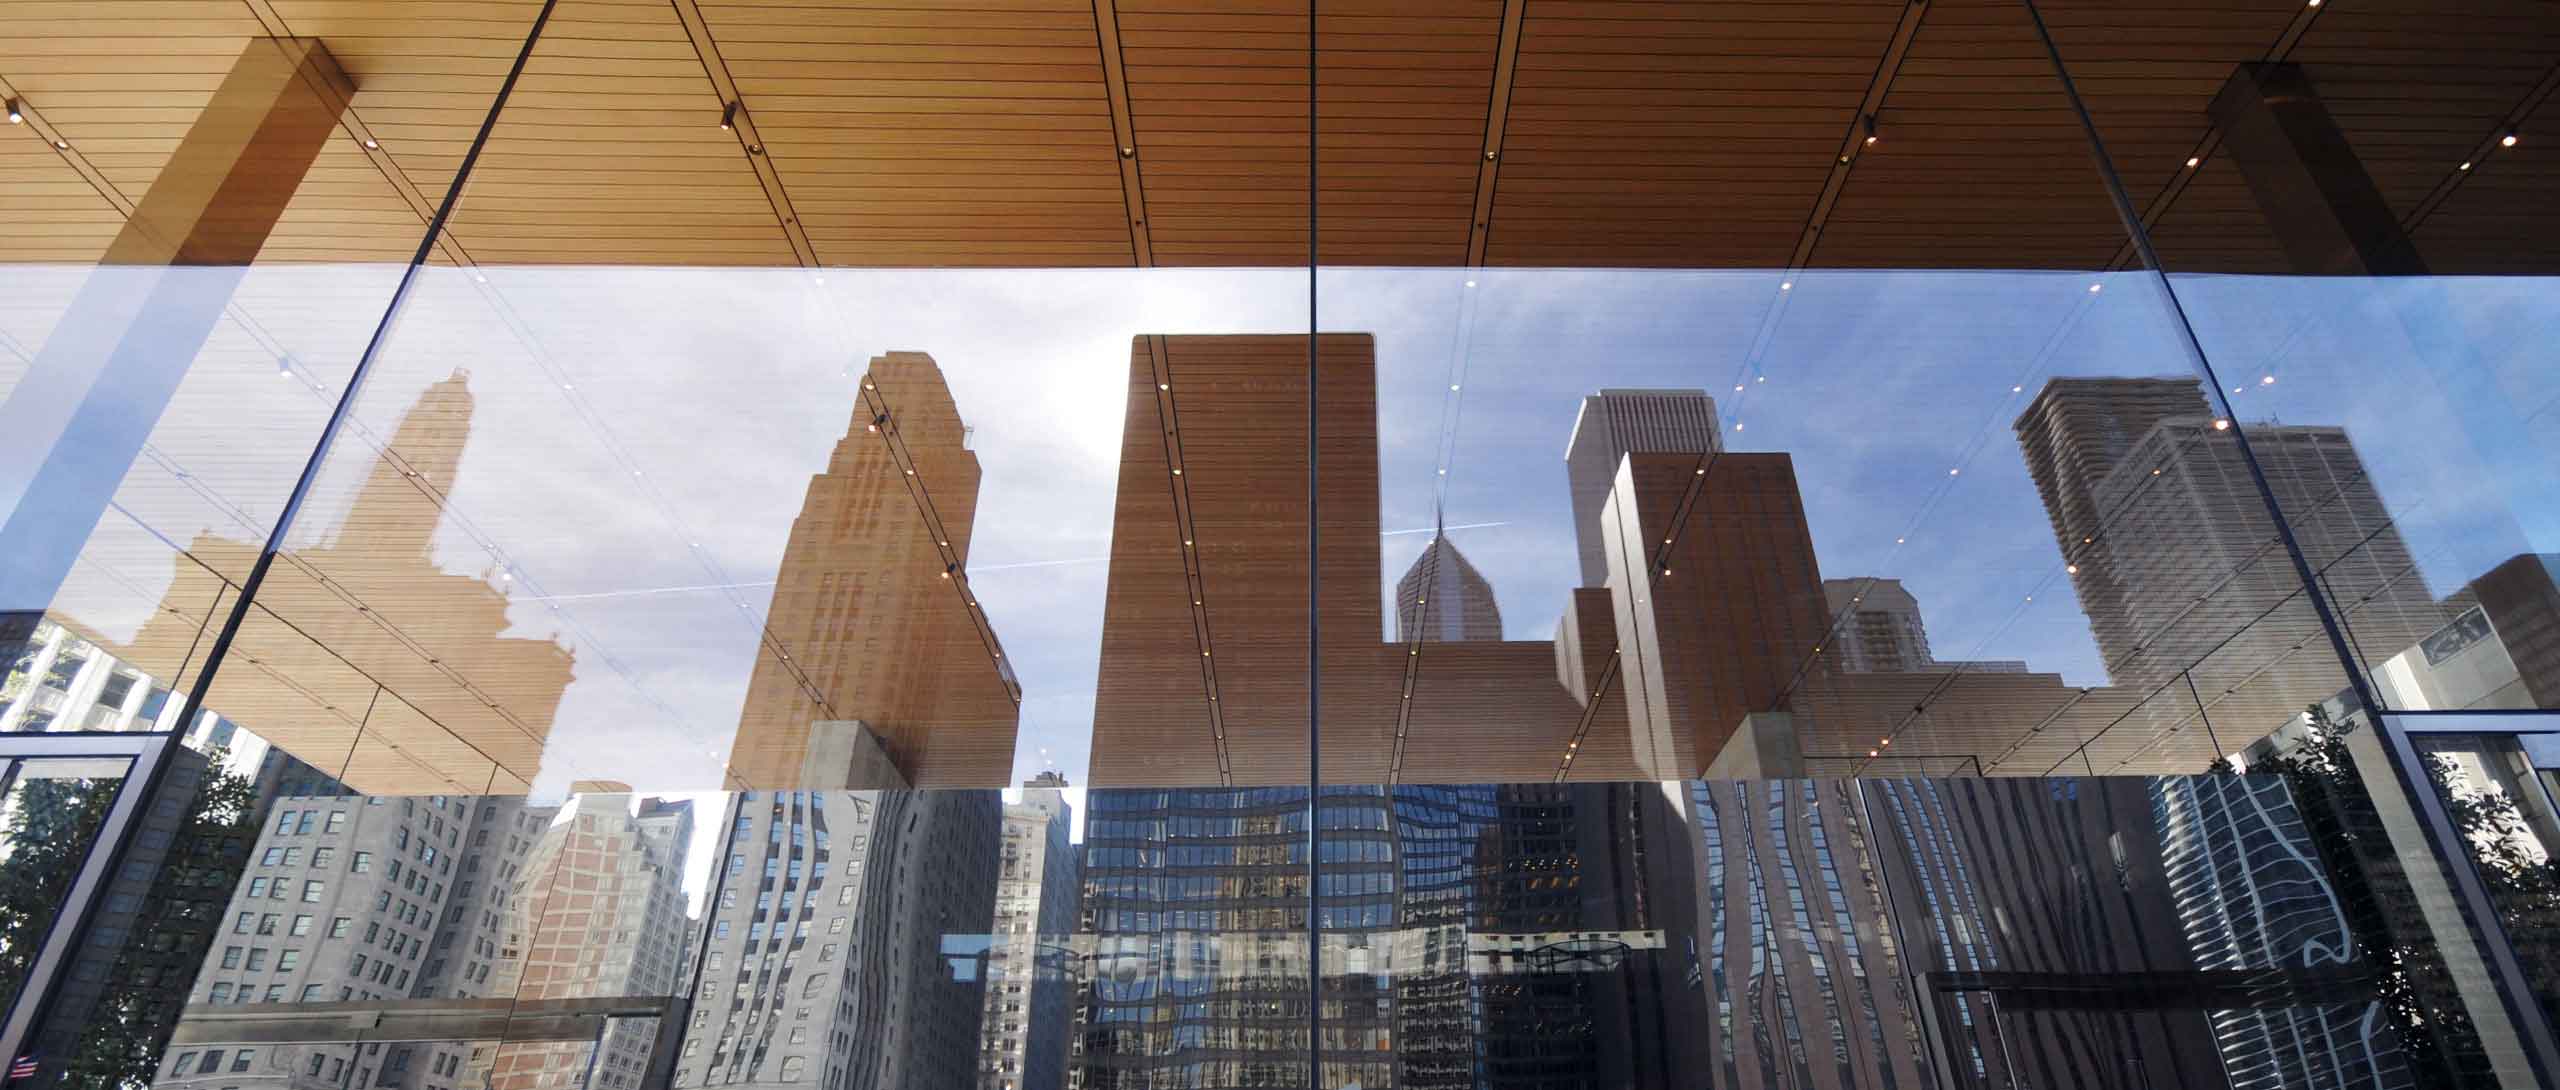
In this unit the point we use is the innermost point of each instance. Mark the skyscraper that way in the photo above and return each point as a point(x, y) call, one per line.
point(352, 899)
point(600, 913)
point(1614, 424)
point(450, 651)
point(837, 937)
point(1024, 1038)
point(1443, 598)
point(1878, 630)
point(1471, 935)
point(2177, 564)
point(872, 619)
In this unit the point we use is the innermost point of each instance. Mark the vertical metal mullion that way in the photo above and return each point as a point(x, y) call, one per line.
point(1315, 624)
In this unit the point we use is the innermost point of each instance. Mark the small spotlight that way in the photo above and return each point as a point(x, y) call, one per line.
point(61, 144)
point(2266, 380)
point(2071, 569)
point(2194, 162)
point(371, 144)
point(1471, 283)
point(1953, 472)
point(2222, 425)
point(2507, 141)
point(2465, 166)
point(1871, 130)
point(2094, 288)
point(16, 115)
point(728, 116)
point(1164, 386)
point(1737, 427)
point(1786, 285)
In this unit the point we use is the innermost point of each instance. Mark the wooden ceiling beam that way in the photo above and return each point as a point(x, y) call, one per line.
point(2211, 140)
point(425, 209)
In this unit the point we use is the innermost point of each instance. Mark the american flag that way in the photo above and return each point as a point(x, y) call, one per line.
point(24, 1068)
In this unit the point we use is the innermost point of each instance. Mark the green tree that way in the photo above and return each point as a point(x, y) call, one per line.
point(2411, 980)
point(42, 843)
point(121, 1039)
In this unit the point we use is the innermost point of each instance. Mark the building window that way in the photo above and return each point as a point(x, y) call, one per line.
point(337, 821)
point(311, 892)
point(338, 927)
point(240, 1060)
point(791, 1067)
point(363, 863)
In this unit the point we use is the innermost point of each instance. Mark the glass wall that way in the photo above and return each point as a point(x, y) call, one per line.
point(1181, 544)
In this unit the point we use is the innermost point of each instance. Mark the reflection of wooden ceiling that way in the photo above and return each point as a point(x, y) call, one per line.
point(1509, 132)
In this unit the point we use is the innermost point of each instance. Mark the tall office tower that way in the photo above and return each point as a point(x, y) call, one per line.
point(1879, 631)
point(1614, 424)
point(353, 899)
point(872, 612)
point(1023, 1043)
point(1205, 655)
point(833, 937)
point(1474, 935)
point(1718, 615)
point(2177, 562)
point(1444, 599)
point(599, 913)
point(2521, 599)
point(2251, 895)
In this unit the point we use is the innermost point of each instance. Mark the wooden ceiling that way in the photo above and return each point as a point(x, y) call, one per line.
point(1173, 132)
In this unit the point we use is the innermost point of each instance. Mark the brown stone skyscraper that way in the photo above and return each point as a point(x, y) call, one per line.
point(364, 656)
point(1204, 639)
point(873, 627)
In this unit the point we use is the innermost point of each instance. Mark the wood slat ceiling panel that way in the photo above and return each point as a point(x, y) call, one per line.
point(613, 154)
point(425, 71)
point(1981, 163)
point(917, 136)
point(2149, 74)
point(346, 210)
point(2216, 224)
point(1404, 90)
point(2417, 84)
point(1222, 140)
point(1687, 135)
point(123, 81)
point(2502, 219)
point(48, 212)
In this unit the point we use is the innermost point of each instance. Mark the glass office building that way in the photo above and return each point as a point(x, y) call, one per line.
point(1116, 544)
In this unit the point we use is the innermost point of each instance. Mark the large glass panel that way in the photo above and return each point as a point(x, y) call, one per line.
point(207, 214)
